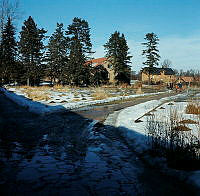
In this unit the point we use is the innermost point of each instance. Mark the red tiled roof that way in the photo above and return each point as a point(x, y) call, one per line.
point(187, 79)
point(98, 61)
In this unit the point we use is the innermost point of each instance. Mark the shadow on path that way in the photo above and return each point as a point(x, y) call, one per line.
point(68, 154)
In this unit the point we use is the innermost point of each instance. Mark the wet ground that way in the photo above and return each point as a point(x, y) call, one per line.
point(101, 112)
point(69, 154)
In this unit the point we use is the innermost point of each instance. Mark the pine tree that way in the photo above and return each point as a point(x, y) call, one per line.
point(78, 34)
point(151, 52)
point(57, 54)
point(77, 72)
point(32, 49)
point(117, 52)
point(79, 30)
point(8, 51)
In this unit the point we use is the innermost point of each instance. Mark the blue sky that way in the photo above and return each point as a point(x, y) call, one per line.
point(176, 22)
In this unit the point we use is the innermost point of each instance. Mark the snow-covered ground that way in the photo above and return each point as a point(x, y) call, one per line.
point(136, 134)
point(58, 101)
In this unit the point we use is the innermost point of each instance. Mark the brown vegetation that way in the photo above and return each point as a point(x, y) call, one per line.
point(181, 128)
point(36, 95)
point(139, 91)
point(188, 121)
point(99, 94)
point(193, 108)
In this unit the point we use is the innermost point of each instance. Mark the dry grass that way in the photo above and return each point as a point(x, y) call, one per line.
point(139, 91)
point(99, 94)
point(61, 88)
point(181, 128)
point(39, 88)
point(155, 87)
point(137, 85)
point(75, 100)
point(193, 108)
point(36, 95)
point(174, 140)
point(40, 92)
point(188, 121)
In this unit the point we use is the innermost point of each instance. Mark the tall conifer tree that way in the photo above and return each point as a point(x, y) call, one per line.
point(32, 49)
point(57, 54)
point(77, 71)
point(79, 30)
point(117, 52)
point(8, 51)
point(78, 34)
point(151, 52)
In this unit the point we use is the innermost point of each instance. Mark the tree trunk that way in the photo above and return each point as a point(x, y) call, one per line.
point(28, 82)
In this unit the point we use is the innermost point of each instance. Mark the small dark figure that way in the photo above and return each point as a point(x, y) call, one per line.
point(171, 86)
point(180, 86)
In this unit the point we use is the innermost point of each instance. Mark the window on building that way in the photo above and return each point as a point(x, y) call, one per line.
point(109, 66)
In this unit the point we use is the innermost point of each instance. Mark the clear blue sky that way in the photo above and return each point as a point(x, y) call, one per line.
point(176, 22)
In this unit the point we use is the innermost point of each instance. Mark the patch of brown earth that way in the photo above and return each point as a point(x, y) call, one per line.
point(188, 121)
point(181, 128)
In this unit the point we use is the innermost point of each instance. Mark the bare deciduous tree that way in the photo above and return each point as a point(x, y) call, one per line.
point(166, 63)
point(9, 9)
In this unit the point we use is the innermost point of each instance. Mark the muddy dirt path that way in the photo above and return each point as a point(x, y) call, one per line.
point(101, 112)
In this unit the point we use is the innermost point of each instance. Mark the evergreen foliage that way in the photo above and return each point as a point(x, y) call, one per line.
point(57, 55)
point(117, 52)
point(77, 72)
point(31, 49)
point(79, 30)
point(8, 52)
point(78, 34)
point(151, 52)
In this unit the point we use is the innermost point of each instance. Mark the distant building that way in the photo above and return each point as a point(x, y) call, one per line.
point(106, 64)
point(158, 75)
point(186, 80)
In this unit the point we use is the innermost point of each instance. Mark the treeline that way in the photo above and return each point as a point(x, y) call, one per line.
point(64, 60)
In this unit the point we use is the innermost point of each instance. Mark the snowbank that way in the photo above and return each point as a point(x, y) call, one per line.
point(135, 132)
point(136, 135)
point(35, 107)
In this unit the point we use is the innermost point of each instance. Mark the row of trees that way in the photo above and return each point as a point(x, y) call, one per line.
point(64, 59)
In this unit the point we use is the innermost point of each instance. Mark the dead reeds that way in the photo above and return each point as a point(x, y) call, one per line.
point(193, 108)
point(174, 140)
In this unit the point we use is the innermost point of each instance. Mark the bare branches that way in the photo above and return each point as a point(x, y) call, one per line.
point(10, 10)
